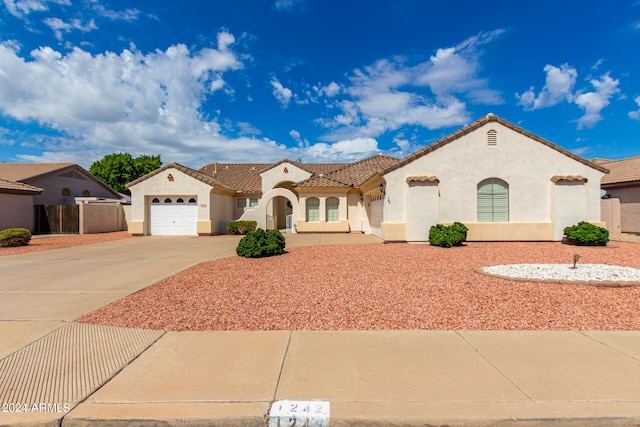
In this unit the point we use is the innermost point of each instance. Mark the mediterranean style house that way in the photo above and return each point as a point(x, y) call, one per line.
point(502, 182)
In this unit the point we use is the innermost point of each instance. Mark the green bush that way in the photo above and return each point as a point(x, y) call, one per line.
point(12, 237)
point(447, 236)
point(241, 227)
point(586, 234)
point(261, 243)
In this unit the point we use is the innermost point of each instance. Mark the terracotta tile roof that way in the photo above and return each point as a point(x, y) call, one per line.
point(568, 178)
point(245, 177)
point(322, 181)
point(479, 123)
point(214, 182)
point(620, 171)
point(238, 176)
point(21, 171)
point(358, 173)
point(18, 187)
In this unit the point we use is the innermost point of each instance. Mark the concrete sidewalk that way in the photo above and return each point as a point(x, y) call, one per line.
point(54, 372)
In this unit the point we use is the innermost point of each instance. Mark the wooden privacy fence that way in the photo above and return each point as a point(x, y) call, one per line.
point(56, 219)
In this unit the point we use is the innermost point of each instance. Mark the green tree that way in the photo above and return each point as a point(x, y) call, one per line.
point(118, 169)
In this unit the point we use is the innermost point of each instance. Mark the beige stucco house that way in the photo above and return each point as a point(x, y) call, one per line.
point(503, 182)
point(621, 202)
point(16, 204)
point(38, 184)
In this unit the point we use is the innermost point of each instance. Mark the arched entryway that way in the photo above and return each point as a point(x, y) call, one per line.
point(270, 199)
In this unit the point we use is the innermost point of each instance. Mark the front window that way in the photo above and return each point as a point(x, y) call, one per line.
point(493, 201)
point(333, 209)
point(253, 202)
point(242, 202)
point(313, 210)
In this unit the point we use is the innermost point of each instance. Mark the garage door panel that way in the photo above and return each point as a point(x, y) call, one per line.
point(173, 219)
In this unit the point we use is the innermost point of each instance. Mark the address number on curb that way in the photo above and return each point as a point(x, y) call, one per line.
point(299, 413)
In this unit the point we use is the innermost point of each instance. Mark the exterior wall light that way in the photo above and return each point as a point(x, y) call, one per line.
point(381, 187)
point(576, 258)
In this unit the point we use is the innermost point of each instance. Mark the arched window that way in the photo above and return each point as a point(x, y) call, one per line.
point(167, 200)
point(66, 191)
point(180, 200)
point(155, 200)
point(333, 209)
point(313, 210)
point(493, 201)
point(86, 193)
point(192, 200)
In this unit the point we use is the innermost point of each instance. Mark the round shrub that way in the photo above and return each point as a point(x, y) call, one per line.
point(447, 236)
point(587, 234)
point(261, 243)
point(13, 237)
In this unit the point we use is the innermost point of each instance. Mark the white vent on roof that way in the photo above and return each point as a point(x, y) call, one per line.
point(492, 137)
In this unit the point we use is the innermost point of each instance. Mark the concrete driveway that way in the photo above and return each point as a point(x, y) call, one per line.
point(63, 284)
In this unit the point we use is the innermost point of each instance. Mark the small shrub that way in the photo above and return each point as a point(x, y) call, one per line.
point(12, 237)
point(241, 227)
point(261, 243)
point(587, 234)
point(447, 236)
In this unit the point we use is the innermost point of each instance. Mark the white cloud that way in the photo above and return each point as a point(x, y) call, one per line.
point(282, 94)
point(558, 87)
point(122, 15)
point(134, 102)
point(330, 90)
point(342, 151)
point(59, 26)
point(593, 102)
point(635, 114)
point(390, 93)
point(19, 8)
point(287, 4)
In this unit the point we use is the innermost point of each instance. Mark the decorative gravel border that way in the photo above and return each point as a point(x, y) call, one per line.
point(599, 283)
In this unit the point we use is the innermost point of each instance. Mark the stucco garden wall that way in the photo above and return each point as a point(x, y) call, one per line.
point(16, 211)
point(524, 164)
point(629, 207)
point(101, 218)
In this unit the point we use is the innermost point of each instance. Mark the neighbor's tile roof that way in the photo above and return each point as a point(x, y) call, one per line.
point(7, 186)
point(620, 171)
point(21, 171)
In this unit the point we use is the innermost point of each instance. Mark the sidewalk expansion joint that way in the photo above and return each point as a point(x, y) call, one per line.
point(505, 376)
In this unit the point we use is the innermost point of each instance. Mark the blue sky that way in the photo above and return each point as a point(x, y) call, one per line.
point(202, 81)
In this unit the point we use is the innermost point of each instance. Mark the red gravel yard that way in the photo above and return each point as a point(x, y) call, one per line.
point(47, 243)
point(393, 286)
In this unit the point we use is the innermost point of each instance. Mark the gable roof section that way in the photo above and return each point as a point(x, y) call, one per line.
point(621, 171)
point(210, 180)
point(352, 174)
point(12, 187)
point(21, 171)
point(478, 124)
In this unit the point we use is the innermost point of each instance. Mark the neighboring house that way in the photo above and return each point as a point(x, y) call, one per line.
point(621, 198)
point(16, 204)
point(503, 182)
point(62, 184)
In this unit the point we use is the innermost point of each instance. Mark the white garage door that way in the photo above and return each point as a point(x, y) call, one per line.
point(173, 217)
point(376, 206)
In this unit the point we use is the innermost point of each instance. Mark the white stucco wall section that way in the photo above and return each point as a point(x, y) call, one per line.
point(277, 174)
point(259, 213)
point(182, 185)
point(525, 164)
